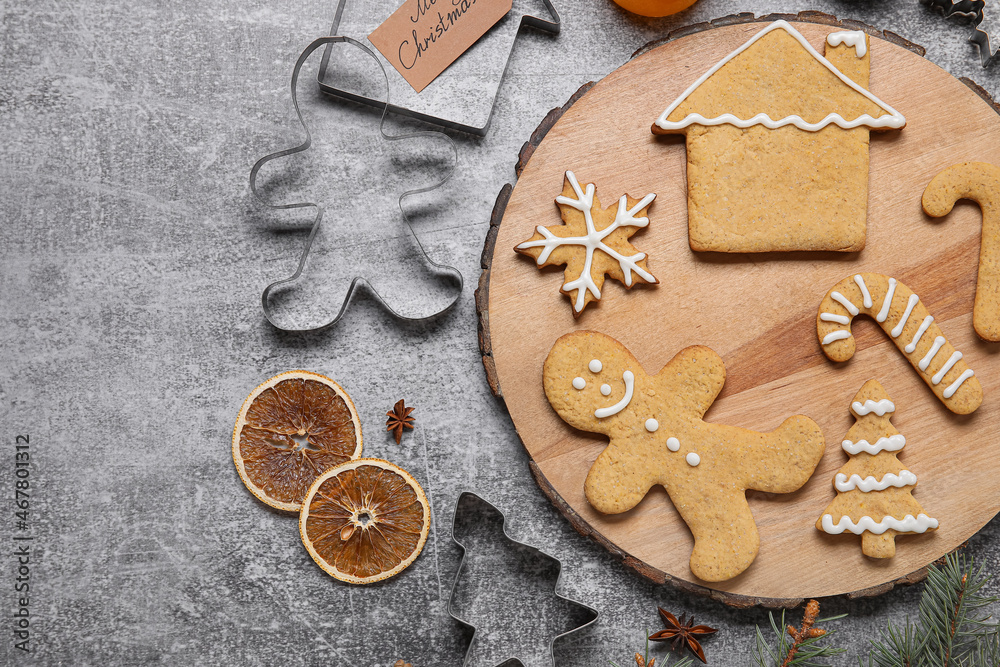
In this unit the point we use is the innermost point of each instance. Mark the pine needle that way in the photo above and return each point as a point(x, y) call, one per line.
point(797, 648)
point(953, 630)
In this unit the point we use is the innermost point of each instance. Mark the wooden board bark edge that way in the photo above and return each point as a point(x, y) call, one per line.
point(482, 305)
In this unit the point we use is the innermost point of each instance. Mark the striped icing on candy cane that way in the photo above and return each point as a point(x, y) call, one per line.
point(912, 345)
point(931, 353)
point(835, 336)
point(952, 360)
point(851, 308)
point(954, 386)
point(864, 291)
point(898, 311)
point(910, 304)
point(886, 302)
point(833, 317)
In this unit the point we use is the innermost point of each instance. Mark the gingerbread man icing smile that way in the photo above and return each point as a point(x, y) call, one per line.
point(657, 437)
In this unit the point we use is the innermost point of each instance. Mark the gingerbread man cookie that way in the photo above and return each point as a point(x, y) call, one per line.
point(657, 436)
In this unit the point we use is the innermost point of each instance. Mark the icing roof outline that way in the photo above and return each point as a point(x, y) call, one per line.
point(891, 120)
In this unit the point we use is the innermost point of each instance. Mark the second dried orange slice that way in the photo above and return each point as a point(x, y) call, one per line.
point(365, 521)
point(292, 429)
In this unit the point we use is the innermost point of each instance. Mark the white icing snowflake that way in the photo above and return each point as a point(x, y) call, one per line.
point(594, 240)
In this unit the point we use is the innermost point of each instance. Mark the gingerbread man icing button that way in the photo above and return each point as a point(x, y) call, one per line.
point(657, 437)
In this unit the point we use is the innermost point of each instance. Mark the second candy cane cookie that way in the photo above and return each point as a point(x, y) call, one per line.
point(980, 182)
point(908, 324)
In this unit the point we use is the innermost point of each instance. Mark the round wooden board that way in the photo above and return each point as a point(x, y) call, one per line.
point(758, 312)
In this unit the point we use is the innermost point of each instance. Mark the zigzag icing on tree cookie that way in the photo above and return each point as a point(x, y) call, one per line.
point(901, 314)
point(892, 443)
point(908, 524)
point(878, 407)
point(869, 483)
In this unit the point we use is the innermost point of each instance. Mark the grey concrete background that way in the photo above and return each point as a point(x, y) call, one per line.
point(132, 261)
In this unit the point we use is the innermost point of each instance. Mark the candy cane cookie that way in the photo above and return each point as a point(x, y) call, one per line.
point(906, 321)
point(980, 182)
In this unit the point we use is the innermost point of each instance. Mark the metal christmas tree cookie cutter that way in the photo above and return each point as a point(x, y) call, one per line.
point(471, 495)
point(358, 282)
point(464, 96)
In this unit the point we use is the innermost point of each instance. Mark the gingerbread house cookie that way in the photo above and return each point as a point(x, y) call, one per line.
point(777, 144)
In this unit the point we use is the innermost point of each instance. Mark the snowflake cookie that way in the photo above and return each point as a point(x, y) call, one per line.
point(592, 242)
point(658, 437)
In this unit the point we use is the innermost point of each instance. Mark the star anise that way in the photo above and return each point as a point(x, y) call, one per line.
point(682, 632)
point(398, 419)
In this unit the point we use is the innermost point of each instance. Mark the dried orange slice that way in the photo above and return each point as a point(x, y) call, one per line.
point(291, 429)
point(365, 521)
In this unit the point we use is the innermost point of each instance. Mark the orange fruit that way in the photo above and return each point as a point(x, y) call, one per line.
point(290, 430)
point(654, 8)
point(365, 521)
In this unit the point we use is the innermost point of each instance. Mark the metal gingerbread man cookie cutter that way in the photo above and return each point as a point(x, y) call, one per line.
point(541, 555)
point(358, 282)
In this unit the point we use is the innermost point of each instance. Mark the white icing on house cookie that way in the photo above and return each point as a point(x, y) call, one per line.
point(891, 119)
point(854, 38)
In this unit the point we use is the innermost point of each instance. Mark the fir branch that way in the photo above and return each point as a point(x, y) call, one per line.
point(897, 647)
point(987, 653)
point(952, 631)
point(950, 607)
point(808, 643)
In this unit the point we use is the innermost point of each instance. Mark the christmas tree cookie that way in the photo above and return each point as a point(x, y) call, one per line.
point(874, 491)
